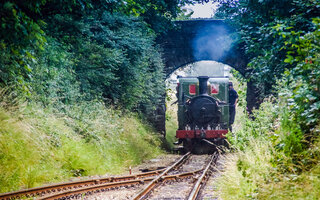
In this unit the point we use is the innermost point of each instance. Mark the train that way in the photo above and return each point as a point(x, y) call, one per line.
point(203, 112)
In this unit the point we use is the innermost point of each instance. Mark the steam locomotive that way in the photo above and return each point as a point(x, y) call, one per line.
point(203, 112)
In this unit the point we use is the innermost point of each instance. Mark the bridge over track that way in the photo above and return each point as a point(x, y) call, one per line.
point(196, 40)
point(206, 39)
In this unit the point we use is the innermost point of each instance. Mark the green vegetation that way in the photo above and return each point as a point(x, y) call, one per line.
point(104, 55)
point(271, 159)
point(277, 149)
point(171, 116)
point(281, 38)
point(77, 77)
point(106, 48)
point(39, 145)
point(76, 80)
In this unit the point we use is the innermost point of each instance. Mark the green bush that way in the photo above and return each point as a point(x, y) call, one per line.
point(81, 51)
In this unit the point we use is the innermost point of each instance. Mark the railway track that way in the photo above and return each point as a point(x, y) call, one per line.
point(69, 186)
point(186, 187)
point(188, 168)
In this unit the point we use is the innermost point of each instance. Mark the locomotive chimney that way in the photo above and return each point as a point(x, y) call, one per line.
point(203, 86)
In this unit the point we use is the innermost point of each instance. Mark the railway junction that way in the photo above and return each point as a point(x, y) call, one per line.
point(184, 178)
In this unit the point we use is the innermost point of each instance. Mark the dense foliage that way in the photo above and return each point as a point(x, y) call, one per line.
point(278, 37)
point(111, 56)
point(60, 52)
point(66, 65)
point(271, 162)
point(278, 152)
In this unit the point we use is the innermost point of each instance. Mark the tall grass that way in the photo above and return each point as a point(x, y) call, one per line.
point(254, 174)
point(271, 159)
point(245, 170)
point(39, 145)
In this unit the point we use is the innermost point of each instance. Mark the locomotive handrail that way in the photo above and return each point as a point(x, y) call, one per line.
point(222, 103)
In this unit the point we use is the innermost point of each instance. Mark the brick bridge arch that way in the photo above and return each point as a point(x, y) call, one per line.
point(206, 39)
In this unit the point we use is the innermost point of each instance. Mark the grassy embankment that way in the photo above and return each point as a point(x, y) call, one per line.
point(271, 158)
point(39, 145)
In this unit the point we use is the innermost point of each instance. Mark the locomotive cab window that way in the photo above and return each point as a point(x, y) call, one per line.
point(192, 89)
point(214, 88)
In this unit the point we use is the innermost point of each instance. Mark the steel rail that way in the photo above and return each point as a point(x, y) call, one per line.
point(201, 180)
point(103, 187)
point(153, 183)
point(37, 191)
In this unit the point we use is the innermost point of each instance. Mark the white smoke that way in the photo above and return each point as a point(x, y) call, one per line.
point(211, 43)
